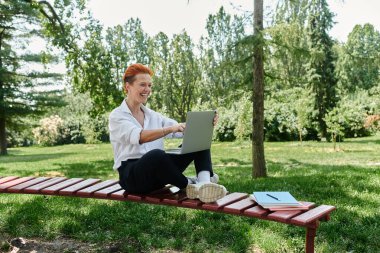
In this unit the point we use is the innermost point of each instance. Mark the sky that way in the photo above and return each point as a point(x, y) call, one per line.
point(172, 16)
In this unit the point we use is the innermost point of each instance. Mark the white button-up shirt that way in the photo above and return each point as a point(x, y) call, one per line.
point(125, 133)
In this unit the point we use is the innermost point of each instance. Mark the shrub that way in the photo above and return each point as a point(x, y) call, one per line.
point(353, 110)
point(243, 129)
point(224, 130)
point(96, 129)
point(50, 132)
point(288, 116)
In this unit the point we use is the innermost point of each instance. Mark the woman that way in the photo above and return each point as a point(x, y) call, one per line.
point(136, 135)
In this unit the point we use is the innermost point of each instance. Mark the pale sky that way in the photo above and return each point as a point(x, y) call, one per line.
point(171, 16)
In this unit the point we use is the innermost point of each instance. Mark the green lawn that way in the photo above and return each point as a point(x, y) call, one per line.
point(348, 178)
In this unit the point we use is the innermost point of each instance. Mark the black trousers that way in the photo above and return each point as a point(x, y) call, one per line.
point(156, 169)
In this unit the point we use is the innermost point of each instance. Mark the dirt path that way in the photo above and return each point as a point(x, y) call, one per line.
point(22, 245)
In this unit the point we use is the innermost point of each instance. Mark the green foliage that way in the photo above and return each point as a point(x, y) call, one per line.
point(25, 92)
point(243, 129)
point(320, 68)
point(288, 115)
point(300, 83)
point(348, 118)
point(226, 58)
point(225, 129)
point(334, 122)
point(179, 80)
point(289, 55)
point(80, 124)
point(358, 64)
point(73, 124)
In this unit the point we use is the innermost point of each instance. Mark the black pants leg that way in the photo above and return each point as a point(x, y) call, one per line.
point(155, 169)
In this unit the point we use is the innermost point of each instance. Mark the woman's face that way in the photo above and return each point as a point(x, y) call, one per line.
point(140, 89)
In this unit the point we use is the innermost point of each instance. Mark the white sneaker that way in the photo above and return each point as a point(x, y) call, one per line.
point(206, 192)
point(214, 179)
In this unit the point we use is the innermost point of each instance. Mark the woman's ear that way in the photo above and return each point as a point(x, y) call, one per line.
point(126, 87)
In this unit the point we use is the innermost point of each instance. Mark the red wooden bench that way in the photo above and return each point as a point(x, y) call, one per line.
point(234, 203)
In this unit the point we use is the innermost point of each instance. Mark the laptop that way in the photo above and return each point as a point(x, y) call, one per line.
point(198, 133)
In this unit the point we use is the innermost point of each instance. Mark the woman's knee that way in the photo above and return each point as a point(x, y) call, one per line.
point(156, 153)
point(156, 156)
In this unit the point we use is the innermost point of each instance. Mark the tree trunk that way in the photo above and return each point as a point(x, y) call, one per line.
point(258, 158)
point(3, 138)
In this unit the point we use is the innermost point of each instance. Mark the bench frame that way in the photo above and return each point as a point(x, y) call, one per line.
point(233, 203)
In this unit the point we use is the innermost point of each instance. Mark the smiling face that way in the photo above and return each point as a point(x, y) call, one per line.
point(140, 89)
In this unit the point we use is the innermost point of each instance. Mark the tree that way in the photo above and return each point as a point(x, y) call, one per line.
point(92, 69)
point(321, 68)
point(223, 59)
point(97, 67)
point(179, 76)
point(358, 64)
point(287, 46)
point(19, 96)
point(258, 157)
point(160, 52)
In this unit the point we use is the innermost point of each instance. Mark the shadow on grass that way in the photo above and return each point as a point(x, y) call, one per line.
point(95, 169)
point(235, 161)
point(354, 226)
point(32, 158)
point(364, 141)
point(140, 227)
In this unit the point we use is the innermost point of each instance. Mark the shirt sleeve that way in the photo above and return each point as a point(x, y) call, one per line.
point(122, 129)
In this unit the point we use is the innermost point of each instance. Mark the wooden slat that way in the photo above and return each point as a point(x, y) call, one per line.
point(312, 215)
point(7, 179)
point(193, 203)
point(256, 211)
point(159, 196)
point(175, 199)
point(51, 190)
point(153, 199)
point(36, 188)
point(79, 186)
point(90, 190)
point(20, 187)
point(134, 197)
point(284, 216)
point(226, 200)
point(17, 181)
point(240, 206)
point(103, 193)
point(119, 195)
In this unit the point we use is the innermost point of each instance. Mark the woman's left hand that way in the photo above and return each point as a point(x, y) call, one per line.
point(216, 118)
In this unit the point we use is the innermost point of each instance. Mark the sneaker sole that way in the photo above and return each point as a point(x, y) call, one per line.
point(192, 191)
point(211, 192)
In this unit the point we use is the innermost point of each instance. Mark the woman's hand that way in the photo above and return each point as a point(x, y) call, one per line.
point(174, 129)
point(216, 118)
point(178, 128)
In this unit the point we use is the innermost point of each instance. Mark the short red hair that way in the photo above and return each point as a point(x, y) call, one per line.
point(133, 70)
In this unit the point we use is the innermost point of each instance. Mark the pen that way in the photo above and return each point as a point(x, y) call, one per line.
point(272, 196)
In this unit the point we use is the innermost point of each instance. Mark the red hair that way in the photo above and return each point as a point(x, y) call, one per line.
point(133, 70)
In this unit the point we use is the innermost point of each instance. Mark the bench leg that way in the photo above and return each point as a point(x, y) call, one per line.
point(310, 236)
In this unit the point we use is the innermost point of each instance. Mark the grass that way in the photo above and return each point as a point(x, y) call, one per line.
point(348, 178)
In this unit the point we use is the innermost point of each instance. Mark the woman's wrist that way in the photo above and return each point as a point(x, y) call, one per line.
point(166, 131)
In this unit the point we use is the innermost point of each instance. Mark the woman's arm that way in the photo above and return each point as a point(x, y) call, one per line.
point(151, 135)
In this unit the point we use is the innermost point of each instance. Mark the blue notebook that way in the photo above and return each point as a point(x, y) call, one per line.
point(270, 199)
